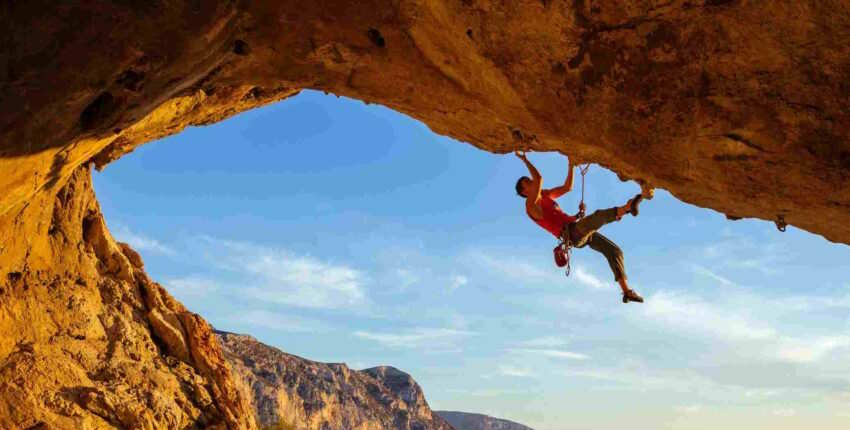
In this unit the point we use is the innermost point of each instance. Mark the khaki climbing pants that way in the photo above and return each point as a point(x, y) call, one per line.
point(583, 232)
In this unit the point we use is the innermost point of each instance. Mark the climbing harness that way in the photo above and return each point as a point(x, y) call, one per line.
point(563, 251)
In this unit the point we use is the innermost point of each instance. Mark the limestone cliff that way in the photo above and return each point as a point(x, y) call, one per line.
point(88, 341)
point(467, 421)
point(737, 105)
point(317, 396)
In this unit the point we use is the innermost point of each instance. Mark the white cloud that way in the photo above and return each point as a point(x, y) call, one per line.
point(405, 278)
point(689, 409)
point(280, 276)
point(545, 342)
point(641, 377)
point(486, 392)
point(510, 268)
point(194, 286)
point(758, 339)
point(441, 338)
point(747, 254)
point(700, 270)
point(520, 269)
point(552, 353)
point(785, 412)
point(682, 312)
point(280, 322)
point(810, 350)
point(508, 370)
point(140, 242)
point(812, 303)
point(761, 393)
point(457, 282)
point(588, 279)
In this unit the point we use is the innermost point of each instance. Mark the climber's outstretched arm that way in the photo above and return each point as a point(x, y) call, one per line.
point(535, 175)
point(532, 198)
point(568, 183)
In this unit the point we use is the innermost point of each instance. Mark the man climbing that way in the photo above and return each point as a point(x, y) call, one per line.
point(541, 206)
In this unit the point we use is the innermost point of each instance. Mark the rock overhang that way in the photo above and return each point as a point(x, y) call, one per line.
point(737, 106)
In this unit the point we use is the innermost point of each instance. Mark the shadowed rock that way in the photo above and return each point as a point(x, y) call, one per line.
point(89, 341)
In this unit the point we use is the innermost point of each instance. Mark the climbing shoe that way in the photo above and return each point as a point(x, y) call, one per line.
point(631, 296)
point(633, 207)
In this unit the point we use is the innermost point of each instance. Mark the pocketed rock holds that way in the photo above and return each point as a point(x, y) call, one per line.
point(90, 342)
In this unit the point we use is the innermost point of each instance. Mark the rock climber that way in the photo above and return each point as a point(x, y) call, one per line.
point(541, 206)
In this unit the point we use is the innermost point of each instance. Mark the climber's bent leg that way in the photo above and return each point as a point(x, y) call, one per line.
point(613, 254)
point(584, 227)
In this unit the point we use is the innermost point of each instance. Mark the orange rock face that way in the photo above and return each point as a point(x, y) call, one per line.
point(89, 341)
point(735, 105)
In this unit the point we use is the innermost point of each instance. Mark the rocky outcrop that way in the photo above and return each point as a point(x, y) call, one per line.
point(307, 395)
point(88, 341)
point(740, 106)
point(468, 421)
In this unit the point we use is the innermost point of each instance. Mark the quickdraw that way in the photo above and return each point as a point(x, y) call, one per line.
point(581, 206)
point(781, 225)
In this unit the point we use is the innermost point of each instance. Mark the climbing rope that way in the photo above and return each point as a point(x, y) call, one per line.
point(581, 207)
point(563, 251)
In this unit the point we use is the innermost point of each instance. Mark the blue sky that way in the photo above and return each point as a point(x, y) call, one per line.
point(346, 232)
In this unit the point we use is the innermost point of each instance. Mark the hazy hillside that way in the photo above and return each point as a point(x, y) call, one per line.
point(297, 393)
point(467, 421)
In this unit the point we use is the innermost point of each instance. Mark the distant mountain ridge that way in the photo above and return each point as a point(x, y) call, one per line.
point(290, 392)
point(468, 421)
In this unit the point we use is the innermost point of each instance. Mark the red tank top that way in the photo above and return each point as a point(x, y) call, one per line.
point(554, 219)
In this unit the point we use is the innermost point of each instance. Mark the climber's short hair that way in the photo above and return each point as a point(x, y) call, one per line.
point(519, 185)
